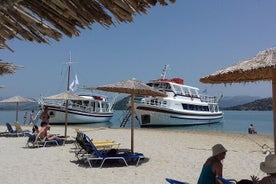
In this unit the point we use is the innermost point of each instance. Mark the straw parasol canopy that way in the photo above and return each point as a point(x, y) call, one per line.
point(42, 20)
point(64, 96)
point(17, 100)
point(7, 68)
point(262, 67)
point(258, 68)
point(133, 87)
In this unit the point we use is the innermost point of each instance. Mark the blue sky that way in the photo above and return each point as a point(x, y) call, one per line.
point(194, 37)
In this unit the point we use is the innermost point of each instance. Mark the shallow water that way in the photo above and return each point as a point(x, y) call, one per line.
point(234, 121)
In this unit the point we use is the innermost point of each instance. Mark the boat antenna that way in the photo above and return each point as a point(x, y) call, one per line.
point(69, 63)
point(164, 72)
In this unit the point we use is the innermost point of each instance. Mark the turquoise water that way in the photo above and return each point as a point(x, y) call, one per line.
point(234, 121)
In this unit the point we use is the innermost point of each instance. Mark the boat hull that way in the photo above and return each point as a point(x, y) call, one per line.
point(151, 116)
point(57, 116)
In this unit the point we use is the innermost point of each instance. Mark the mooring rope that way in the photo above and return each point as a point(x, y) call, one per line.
point(265, 148)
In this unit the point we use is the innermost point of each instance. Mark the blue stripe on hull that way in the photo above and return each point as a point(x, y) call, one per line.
point(165, 117)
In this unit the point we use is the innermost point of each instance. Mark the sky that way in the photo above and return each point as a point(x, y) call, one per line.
point(194, 37)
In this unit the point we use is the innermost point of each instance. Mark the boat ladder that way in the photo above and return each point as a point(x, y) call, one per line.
point(126, 118)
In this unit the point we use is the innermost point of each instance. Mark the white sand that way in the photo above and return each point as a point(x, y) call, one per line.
point(173, 154)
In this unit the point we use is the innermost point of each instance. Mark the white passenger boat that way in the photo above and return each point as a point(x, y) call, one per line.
point(182, 106)
point(91, 108)
point(94, 109)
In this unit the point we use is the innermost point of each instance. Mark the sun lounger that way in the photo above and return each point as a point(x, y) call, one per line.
point(19, 129)
point(100, 145)
point(40, 143)
point(105, 144)
point(104, 155)
point(172, 181)
point(222, 180)
point(11, 132)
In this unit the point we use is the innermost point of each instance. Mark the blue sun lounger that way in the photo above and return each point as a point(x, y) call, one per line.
point(104, 155)
point(11, 132)
point(172, 181)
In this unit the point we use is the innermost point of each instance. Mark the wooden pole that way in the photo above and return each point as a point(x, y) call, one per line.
point(132, 123)
point(66, 118)
point(17, 108)
point(274, 104)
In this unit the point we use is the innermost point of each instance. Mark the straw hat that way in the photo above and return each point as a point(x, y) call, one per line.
point(218, 149)
point(269, 165)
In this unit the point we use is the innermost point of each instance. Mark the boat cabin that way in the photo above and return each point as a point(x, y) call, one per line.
point(175, 87)
point(92, 104)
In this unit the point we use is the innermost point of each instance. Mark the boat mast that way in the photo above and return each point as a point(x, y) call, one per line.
point(69, 72)
point(164, 72)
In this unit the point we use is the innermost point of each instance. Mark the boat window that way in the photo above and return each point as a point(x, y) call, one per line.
point(149, 84)
point(186, 91)
point(194, 92)
point(185, 106)
point(177, 89)
point(195, 107)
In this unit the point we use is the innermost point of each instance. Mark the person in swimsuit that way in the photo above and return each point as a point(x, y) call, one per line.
point(44, 116)
point(35, 129)
point(43, 134)
point(25, 118)
point(213, 166)
point(32, 121)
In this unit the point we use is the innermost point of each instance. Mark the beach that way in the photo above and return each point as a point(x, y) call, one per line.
point(169, 154)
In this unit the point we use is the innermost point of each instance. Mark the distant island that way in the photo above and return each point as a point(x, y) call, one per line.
point(264, 104)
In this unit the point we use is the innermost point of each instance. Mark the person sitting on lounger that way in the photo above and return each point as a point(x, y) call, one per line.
point(44, 136)
point(35, 129)
point(213, 166)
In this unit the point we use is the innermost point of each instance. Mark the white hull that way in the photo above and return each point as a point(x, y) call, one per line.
point(57, 116)
point(152, 116)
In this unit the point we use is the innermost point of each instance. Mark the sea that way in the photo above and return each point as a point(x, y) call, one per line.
point(234, 122)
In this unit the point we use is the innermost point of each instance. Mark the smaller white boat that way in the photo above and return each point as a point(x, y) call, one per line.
point(182, 106)
point(94, 109)
point(91, 108)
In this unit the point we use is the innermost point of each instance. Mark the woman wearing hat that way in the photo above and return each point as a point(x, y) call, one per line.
point(269, 167)
point(213, 166)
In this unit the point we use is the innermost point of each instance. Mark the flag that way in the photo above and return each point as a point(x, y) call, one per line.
point(74, 85)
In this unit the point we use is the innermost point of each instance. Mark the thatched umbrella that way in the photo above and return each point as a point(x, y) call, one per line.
point(133, 87)
point(40, 20)
point(17, 100)
point(7, 68)
point(262, 67)
point(64, 96)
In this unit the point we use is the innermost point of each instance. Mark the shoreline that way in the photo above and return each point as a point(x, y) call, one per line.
point(170, 154)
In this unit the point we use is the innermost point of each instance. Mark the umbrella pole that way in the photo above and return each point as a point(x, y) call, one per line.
point(17, 104)
point(66, 118)
point(132, 123)
point(274, 104)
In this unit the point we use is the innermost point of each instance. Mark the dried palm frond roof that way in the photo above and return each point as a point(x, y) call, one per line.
point(7, 68)
point(258, 68)
point(39, 20)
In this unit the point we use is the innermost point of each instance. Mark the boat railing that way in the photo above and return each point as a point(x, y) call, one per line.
point(155, 102)
point(213, 107)
point(208, 99)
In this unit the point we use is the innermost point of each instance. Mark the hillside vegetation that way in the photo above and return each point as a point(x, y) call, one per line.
point(264, 104)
